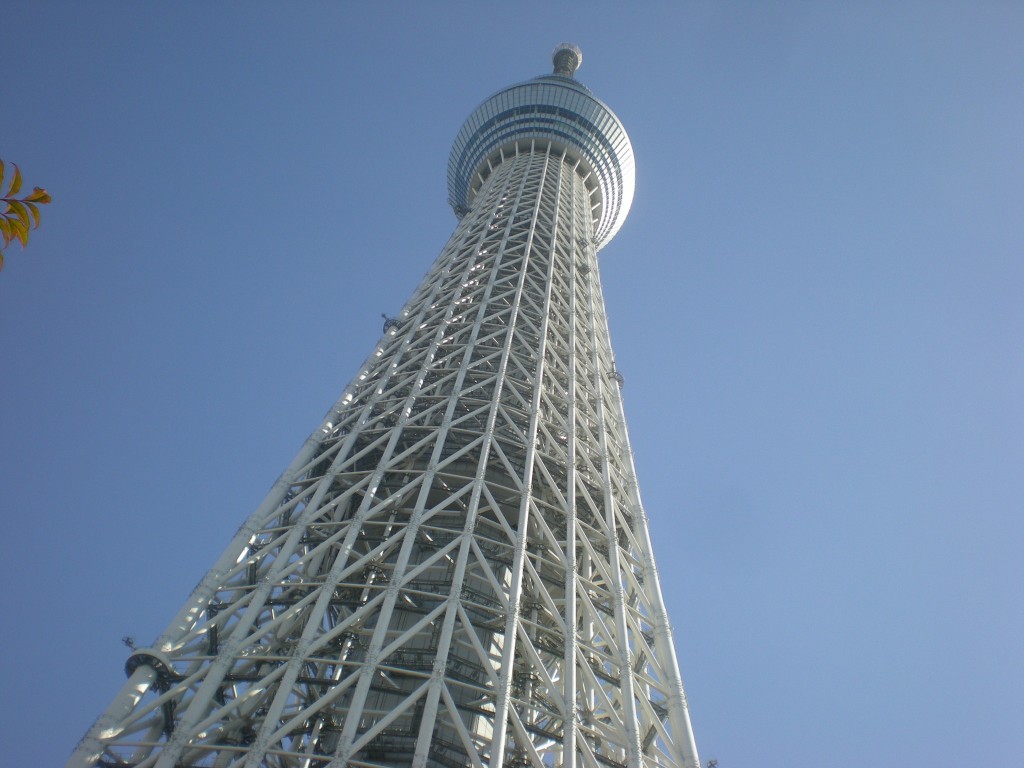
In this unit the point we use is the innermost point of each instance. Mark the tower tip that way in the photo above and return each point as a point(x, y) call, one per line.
point(567, 59)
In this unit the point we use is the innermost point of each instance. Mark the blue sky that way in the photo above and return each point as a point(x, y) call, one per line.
point(816, 303)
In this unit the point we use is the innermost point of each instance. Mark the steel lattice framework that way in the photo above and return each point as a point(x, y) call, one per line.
point(456, 569)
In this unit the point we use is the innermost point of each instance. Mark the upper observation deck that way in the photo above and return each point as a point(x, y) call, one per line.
point(552, 109)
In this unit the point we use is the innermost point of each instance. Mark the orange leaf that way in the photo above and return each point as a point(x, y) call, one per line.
point(39, 195)
point(1, 259)
point(1, 174)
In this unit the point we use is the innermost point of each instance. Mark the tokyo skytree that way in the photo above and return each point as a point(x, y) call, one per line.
point(456, 569)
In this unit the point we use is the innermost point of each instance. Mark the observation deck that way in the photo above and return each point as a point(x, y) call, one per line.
point(552, 109)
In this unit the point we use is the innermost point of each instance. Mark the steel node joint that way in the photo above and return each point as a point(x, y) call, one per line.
point(155, 660)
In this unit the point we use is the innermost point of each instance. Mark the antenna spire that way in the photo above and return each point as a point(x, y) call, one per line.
point(567, 59)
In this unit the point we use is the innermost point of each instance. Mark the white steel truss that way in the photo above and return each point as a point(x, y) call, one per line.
point(456, 569)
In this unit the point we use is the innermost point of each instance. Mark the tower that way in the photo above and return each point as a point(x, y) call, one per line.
point(456, 568)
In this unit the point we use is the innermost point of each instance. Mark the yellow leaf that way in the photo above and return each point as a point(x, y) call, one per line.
point(20, 231)
point(16, 183)
point(34, 210)
point(20, 211)
point(5, 230)
point(1, 259)
point(39, 195)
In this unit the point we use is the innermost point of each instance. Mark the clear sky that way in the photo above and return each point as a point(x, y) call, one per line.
point(816, 303)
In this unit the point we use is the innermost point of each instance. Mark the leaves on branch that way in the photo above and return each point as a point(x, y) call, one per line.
point(20, 215)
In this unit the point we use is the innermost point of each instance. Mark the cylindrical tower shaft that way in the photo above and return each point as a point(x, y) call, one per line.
point(456, 570)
